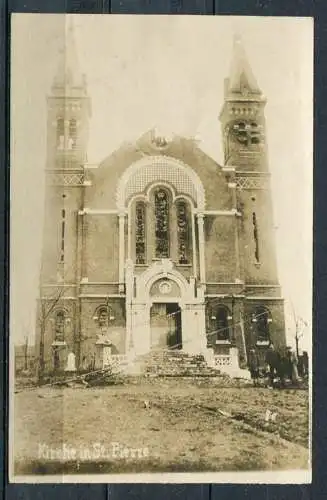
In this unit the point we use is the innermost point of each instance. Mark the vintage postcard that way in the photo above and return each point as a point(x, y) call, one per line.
point(161, 249)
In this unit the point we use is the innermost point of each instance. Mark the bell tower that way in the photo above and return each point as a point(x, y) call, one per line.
point(68, 110)
point(68, 115)
point(246, 165)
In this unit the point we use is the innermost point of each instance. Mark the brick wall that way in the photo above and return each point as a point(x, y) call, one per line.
point(220, 248)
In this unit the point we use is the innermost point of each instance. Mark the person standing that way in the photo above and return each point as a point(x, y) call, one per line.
point(254, 364)
point(294, 369)
point(271, 361)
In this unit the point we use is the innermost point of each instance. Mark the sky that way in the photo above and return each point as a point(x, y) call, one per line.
point(165, 72)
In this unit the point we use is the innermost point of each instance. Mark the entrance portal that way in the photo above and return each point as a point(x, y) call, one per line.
point(166, 326)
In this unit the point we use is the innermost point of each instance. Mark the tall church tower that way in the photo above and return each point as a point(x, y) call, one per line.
point(68, 114)
point(246, 162)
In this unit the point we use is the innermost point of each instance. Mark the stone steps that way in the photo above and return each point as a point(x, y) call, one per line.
point(174, 364)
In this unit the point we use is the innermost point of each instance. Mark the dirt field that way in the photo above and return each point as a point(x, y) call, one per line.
point(159, 425)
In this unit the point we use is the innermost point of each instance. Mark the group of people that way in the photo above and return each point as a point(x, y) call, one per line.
point(282, 364)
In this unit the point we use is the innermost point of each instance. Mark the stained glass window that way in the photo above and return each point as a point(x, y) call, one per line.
point(161, 207)
point(140, 233)
point(182, 232)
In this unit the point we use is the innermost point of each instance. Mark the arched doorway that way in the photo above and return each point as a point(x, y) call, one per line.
point(166, 325)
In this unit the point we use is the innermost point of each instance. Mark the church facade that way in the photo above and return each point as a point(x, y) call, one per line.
point(158, 246)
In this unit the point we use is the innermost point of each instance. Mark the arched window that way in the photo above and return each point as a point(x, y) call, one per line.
point(60, 133)
point(103, 315)
point(60, 326)
point(72, 134)
point(182, 232)
point(161, 211)
point(140, 240)
point(262, 319)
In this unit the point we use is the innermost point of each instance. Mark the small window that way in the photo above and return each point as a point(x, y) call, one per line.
point(103, 316)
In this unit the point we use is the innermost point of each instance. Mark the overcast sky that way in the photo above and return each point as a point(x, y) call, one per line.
point(168, 72)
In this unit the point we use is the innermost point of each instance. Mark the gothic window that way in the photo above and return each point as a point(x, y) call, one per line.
point(161, 209)
point(222, 326)
point(63, 223)
point(59, 326)
point(182, 232)
point(60, 133)
point(262, 319)
point(140, 241)
point(72, 134)
point(256, 238)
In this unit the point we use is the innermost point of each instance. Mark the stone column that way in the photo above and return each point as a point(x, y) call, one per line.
point(121, 216)
point(200, 218)
point(129, 278)
point(195, 265)
point(194, 332)
point(140, 328)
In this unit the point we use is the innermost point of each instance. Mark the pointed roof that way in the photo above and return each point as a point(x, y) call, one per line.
point(241, 80)
point(68, 74)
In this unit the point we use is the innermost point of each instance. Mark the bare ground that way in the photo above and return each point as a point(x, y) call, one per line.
point(186, 426)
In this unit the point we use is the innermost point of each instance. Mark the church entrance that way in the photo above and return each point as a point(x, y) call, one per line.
point(166, 326)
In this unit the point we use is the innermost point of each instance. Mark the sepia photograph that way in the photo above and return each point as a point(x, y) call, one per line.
point(160, 249)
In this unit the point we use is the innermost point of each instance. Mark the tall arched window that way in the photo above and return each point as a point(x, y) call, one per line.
point(60, 326)
point(60, 133)
point(262, 319)
point(140, 240)
point(161, 211)
point(182, 232)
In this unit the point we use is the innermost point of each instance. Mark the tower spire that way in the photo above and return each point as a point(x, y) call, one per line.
point(68, 75)
point(241, 81)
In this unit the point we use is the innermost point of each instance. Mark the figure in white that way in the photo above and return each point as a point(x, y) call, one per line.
point(71, 363)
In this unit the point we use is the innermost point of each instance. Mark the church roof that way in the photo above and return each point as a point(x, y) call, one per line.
point(68, 75)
